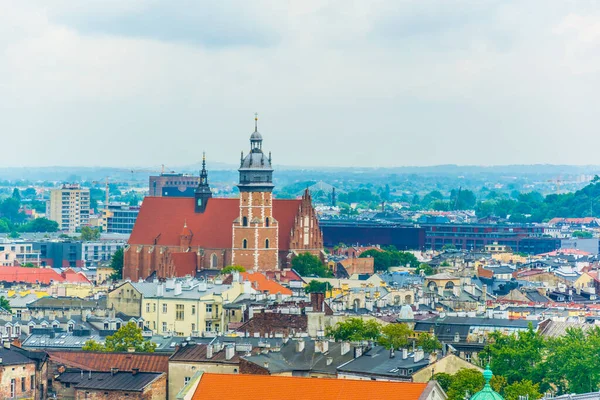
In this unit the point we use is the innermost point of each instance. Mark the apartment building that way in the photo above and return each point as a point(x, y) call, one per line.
point(178, 307)
point(14, 253)
point(70, 207)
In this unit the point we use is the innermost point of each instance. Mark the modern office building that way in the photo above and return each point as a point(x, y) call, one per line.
point(69, 206)
point(119, 218)
point(59, 254)
point(98, 251)
point(522, 238)
point(366, 233)
point(173, 185)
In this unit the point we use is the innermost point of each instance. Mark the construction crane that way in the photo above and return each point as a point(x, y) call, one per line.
point(106, 190)
point(557, 181)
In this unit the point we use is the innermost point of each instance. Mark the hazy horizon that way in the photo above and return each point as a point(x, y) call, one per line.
point(365, 85)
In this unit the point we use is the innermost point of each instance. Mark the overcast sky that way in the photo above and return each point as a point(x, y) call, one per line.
point(336, 83)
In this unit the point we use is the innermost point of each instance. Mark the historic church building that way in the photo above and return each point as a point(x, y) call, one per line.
point(177, 236)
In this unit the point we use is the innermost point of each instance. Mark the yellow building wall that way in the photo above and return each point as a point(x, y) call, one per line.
point(157, 311)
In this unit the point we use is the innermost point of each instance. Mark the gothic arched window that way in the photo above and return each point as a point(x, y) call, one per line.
point(267, 244)
point(214, 262)
point(245, 243)
point(267, 222)
point(244, 221)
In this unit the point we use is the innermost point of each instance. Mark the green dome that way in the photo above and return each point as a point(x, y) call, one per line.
point(487, 393)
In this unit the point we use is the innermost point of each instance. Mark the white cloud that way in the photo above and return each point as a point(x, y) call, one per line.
point(337, 83)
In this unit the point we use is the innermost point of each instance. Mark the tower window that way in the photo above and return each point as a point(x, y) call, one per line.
point(245, 243)
point(214, 261)
point(267, 222)
point(244, 221)
point(267, 244)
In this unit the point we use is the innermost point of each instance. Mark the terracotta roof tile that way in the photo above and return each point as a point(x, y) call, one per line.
point(30, 275)
point(162, 218)
point(265, 387)
point(263, 284)
point(99, 361)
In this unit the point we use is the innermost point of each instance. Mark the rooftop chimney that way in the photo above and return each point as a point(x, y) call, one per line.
point(345, 347)
point(177, 288)
point(299, 346)
point(419, 354)
point(321, 346)
point(7, 345)
point(209, 351)
point(266, 365)
point(404, 353)
point(392, 355)
point(171, 283)
point(229, 352)
point(113, 371)
point(134, 371)
point(160, 290)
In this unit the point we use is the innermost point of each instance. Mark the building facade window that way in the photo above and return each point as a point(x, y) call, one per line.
point(179, 312)
point(147, 307)
point(267, 244)
point(214, 261)
point(186, 380)
point(32, 382)
point(209, 308)
point(245, 243)
point(267, 222)
point(164, 327)
point(13, 388)
point(23, 387)
point(193, 309)
point(244, 221)
point(164, 309)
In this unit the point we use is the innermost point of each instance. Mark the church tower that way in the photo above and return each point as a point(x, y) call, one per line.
point(255, 231)
point(202, 192)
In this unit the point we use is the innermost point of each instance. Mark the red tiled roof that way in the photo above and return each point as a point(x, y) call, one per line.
point(163, 218)
point(482, 272)
point(284, 276)
point(100, 361)
point(74, 277)
point(263, 284)
point(29, 275)
point(267, 387)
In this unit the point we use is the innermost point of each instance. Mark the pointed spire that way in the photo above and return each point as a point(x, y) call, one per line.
point(203, 161)
point(255, 122)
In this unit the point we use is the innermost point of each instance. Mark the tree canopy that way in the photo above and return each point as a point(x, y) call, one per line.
point(317, 287)
point(116, 263)
point(390, 257)
point(307, 264)
point(355, 329)
point(89, 234)
point(5, 304)
point(232, 268)
point(129, 336)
